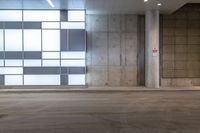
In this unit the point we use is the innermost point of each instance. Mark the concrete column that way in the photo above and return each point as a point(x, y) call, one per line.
point(152, 49)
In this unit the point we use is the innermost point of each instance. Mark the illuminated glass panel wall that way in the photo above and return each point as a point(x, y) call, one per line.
point(42, 47)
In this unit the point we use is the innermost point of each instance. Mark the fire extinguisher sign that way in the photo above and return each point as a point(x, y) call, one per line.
point(155, 52)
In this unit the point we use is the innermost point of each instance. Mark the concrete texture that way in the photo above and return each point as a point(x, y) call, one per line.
point(112, 45)
point(181, 46)
point(103, 112)
point(152, 70)
point(180, 82)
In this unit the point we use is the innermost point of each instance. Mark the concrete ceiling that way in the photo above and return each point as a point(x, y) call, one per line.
point(99, 6)
point(134, 6)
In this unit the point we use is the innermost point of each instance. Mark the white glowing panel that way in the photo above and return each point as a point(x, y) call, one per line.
point(50, 63)
point(32, 40)
point(1, 40)
point(76, 15)
point(11, 70)
point(73, 63)
point(78, 79)
point(51, 55)
point(31, 63)
point(41, 79)
point(50, 25)
point(73, 55)
point(13, 80)
point(10, 15)
point(13, 62)
point(51, 40)
point(1, 62)
point(39, 15)
point(13, 40)
point(72, 25)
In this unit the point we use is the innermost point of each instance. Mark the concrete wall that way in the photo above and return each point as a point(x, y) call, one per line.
point(112, 50)
point(181, 47)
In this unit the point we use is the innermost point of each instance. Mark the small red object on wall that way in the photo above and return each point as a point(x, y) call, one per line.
point(155, 51)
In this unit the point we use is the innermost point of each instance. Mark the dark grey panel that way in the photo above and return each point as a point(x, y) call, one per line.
point(1, 55)
point(64, 41)
point(32, 55)
point(1, 25)
point(77, 40)
point(13, 55)
point(1, 79)
point(64, 70)
point(64, 80)
point(32, 25)
point(41, 70)
point(13, 25)
point(63, 15)
point(77, 70)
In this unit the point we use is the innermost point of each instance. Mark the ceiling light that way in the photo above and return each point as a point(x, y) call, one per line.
point(159, 4)
point(51, 3)
point(145, 0)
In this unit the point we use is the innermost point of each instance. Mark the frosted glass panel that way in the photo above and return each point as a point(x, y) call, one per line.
point(41, 15)
point(73, 63)
point(30, 47)
point(12, 15)
point(76, 15)
point(50, 25)
point(51, 55)
point(73, 55)
point(11, 70)
point(51, 40)
point(41, 79)
point(13, 80)
point(78, 79)
point(32, 40)
point(1, 40)
point(51, 63)
point(13, 40)
point(13, 62)
point(1, 62)
point(72, 25)
point(30, 63)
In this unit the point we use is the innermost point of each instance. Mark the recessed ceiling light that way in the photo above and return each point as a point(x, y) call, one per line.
point(51, 3)
point(145, 0)
point(159, 4)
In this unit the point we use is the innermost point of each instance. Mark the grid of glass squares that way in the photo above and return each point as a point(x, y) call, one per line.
point(42, 47)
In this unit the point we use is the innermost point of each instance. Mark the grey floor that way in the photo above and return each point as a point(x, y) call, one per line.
point(101, 112)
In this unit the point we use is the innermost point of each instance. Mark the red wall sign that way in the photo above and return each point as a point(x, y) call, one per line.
point(155, 51)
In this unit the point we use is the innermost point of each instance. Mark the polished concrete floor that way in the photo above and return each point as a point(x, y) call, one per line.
point(101, 112)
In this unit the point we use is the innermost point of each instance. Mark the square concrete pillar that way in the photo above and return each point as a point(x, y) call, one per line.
point(152, 49)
